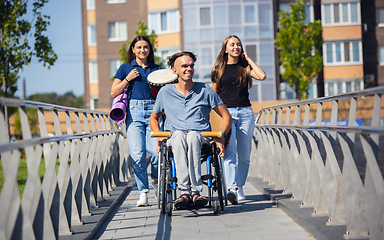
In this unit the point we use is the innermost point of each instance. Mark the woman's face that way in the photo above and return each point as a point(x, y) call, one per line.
point(233, 47)
point(141, 50)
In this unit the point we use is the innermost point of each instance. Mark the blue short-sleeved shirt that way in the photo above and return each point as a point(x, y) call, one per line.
point(189, 113)
point(138, 88)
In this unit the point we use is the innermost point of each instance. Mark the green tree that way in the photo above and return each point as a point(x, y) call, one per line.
point(299, 45)
point(16, 32)
point(68, 99)
point(143, 31)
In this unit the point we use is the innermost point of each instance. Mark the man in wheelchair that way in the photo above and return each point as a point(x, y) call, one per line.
point(187, 105)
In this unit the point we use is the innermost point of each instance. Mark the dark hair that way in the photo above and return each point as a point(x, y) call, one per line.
point(172, 59)
point(131, 55)
point(244, 76)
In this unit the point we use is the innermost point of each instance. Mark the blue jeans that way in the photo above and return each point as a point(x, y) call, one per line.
point(140, 141)
point(239, 146)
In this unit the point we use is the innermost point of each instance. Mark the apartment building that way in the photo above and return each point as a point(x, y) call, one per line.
point(205, 24)
point(106, 25)
point(379, 36)
point(193, 25)
point(353, 33)
point(343, 48)
point(353, 49)
point(373, 40)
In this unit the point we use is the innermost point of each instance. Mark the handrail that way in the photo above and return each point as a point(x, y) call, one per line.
point(362, 93)
point(340, 129)
point(25, 103)
point(35, 141)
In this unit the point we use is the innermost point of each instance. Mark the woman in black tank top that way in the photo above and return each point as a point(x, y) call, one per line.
point(231, 78)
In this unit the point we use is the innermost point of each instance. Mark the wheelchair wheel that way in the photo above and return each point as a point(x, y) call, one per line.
point(163, 184)
point(158, 192)
point(216, 207)
point(169, 209)
point(218, 181)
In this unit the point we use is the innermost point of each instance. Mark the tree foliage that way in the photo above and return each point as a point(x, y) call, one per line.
point(299, 45)
point(16, 34)
point(68, 99)
point(143, 31)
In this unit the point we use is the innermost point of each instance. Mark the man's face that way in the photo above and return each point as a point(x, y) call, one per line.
point(184, 68)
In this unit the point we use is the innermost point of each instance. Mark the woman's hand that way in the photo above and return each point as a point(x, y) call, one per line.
point(245, 56)
point(257, 72)
point(132, 75)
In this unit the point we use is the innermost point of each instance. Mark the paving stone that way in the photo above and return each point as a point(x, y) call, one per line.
point(254, 218)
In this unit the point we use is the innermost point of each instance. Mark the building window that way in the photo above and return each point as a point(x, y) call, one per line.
point(164, 52)
point(334, 88)
point(381, 55)
point(265, 20)
point(164, 22)
point(91, 34)
point(93, 76)
point(90, 4)
point(252, 52)
point(308, 11)
point(113, 66)
point(235, 16)
point(249, 14)
point(380, 16)
point(341, 13)
point(219, 15)
point(117, 31)
point(339, 53)
point(115, 1)
point(94, 104)
point(206, 53)
point(205, 16)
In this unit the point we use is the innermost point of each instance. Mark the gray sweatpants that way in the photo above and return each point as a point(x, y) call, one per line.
point(186, 150)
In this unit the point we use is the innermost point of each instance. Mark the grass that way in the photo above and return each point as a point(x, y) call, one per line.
point(22, 174)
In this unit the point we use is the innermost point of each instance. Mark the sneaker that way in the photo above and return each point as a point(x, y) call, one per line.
point(232, 196)
point(143, 200)
point(240, 194)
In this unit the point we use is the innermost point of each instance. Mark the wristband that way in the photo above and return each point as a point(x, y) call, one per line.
point(223, 134)
point(126, 79)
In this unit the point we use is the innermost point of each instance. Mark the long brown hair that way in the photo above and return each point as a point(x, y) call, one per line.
point(131, 55)
point(244, 77)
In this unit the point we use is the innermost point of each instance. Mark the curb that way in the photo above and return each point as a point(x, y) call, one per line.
point(100, 215)
point(113, 207)
point(301, 215)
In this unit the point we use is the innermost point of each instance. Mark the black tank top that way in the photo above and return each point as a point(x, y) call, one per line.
point(232, 93)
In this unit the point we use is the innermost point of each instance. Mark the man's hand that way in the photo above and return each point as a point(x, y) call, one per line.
point(159, 141)
point(220, 144)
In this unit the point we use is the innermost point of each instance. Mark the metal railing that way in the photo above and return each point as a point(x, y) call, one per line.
point(68, 171)
point(337, 170)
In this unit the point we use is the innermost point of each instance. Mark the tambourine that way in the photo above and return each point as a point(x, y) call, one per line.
point(159, 78)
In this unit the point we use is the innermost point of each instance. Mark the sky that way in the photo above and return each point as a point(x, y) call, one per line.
point(65, 34)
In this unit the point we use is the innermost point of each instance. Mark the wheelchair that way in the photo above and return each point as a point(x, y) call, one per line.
point(213, 179)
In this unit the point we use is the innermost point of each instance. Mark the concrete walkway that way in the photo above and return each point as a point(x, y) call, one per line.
point(255, 218)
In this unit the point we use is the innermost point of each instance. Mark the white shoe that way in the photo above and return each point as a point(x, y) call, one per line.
point(143, 200)
point(232, 196)
point(240, 194)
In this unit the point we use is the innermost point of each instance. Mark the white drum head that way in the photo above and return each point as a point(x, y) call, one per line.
point(161, 77)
